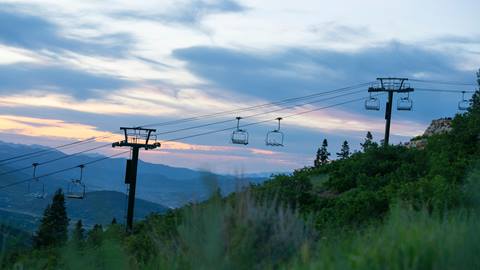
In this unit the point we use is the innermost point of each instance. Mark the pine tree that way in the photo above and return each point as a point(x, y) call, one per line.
point(475, 101)
point(114, 221)
point(53, 230)
point(79, 232)
point(322, 154)
point(95, 235)
point(344, 151)
point(368, 141)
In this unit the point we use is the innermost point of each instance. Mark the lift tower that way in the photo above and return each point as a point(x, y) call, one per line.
point(392, 85)
point(135, 138)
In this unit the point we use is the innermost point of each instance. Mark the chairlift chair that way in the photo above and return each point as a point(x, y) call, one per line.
point(239, 136)
point(36, 188)
point(405, 103)
point(275, 137)
point(372, 103)
point(463, 104)
point(76, 188)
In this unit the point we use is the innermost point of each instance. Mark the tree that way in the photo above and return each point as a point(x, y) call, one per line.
point(53, 229)
point(344, 151)
point(114, 221)
point(475, 101)
point(95, 235)
point(322, 154)
point(79, 232)
point(368, 141)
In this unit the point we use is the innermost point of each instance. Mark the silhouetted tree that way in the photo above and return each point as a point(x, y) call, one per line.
point(53, 230)
point(114, 221)
point(344, 151)
point(368, 141)
point(95, 235)
point(322, 154)
point(79, 232)
point(475, 101)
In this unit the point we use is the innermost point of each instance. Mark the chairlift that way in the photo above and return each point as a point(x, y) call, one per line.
point(239, 136)
point(76, 187)
point(36, 188)
point(405, 103)
point(463, 104)
point(275, 137)
point(372, 103)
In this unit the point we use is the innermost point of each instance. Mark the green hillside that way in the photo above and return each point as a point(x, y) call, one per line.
point(382, 208)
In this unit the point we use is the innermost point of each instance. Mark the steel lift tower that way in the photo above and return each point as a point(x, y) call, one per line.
point(135, 138)
point(393, 85)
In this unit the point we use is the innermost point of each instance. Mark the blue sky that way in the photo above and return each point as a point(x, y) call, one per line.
point(74, 69)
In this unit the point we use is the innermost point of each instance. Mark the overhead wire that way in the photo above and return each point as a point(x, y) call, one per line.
point(220, 130)
point(263, 121)
point(443, 82)
point(44, 152)
point(258, 114)
point(55, 159)
point(178, 121)
point(62, 170)
point(177, 139)
point(275, 103)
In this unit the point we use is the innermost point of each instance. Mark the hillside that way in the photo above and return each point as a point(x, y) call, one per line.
point(385, 207)
point(98, 207)
point(158, 183)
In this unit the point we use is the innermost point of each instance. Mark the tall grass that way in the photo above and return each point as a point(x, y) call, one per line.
point(408, 240)
point(242, 233)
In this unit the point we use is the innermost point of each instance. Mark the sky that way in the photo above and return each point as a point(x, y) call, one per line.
point(71, 70)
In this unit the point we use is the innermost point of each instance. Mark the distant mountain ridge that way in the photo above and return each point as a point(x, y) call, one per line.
point(159, 186)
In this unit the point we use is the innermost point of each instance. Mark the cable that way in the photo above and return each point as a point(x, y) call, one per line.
point(56, 159)
point(89, 140)
point(280, 102)
point(264, 121)
point(443, 82)
point(60, 171)
point(443, 90)
point(258, 114)
point(47, 151)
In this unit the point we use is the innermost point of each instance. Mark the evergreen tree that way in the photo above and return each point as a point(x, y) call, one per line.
point(53, 230)
point(78, 232)
point(114, 221)
point(322, 154)
point(475, 101)
point(344, 151)
point(95, 235)
point(368, 141)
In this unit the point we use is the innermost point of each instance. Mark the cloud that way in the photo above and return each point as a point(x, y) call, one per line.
point(184, 12)
point(21, 77)
point(278, 74)
point(335, 32)
point(37, 33)
point(41, 127)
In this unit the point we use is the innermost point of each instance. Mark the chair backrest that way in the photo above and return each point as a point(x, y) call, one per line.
point(274, 138)
point(404, 104)
point(372, 104)
point(240, 136)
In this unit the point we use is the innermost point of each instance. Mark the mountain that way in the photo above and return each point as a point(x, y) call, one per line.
point(159, 186)
point(97, 207)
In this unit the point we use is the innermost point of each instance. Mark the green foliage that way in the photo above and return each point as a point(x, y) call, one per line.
point(386, 207)
point(407, 240)
point(78, 234)
point(322, 154)
point(53, 230)
point(344, 151)
point(368, 142)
